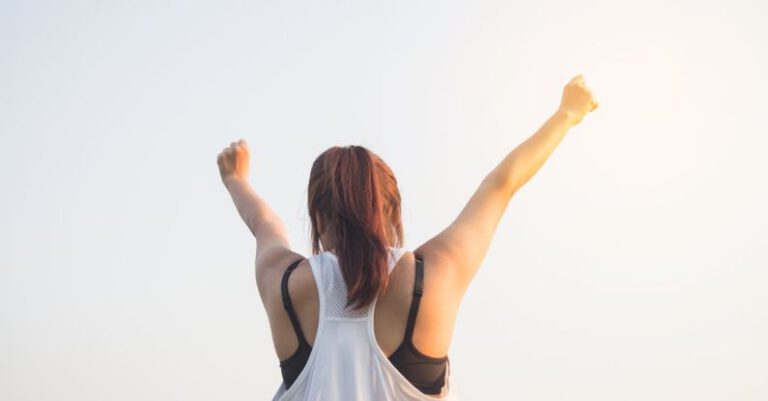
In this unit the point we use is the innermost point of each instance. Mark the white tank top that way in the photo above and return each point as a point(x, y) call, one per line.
point(346, 362)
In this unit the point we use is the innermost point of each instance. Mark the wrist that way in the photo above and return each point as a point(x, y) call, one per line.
point(566, 116)
point(232, 180)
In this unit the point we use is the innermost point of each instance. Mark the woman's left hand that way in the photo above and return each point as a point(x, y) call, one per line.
point(234, 161)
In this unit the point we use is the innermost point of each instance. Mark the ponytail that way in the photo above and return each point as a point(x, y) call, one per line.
point(355, 195)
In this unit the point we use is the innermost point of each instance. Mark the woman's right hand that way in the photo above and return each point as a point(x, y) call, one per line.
point(577, 100)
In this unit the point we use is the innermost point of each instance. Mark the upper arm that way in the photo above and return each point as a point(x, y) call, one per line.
point(270, 265)
point(273, 252)
point(461, 247)
point(270, 232)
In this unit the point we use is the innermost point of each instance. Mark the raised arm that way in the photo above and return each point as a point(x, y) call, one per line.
point(525, 160)
point(460, 248)
point(261, 220)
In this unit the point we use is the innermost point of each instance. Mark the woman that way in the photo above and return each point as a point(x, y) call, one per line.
point(363, 318)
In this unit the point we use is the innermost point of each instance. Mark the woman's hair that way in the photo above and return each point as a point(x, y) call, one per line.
point(355, 195)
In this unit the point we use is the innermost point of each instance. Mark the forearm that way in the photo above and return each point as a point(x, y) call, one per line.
point(254, 210)
point(525, 160)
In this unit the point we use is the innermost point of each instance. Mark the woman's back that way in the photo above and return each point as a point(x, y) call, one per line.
point(334, 332)
point(451, 259)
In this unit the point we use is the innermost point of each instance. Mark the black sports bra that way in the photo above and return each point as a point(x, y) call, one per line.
point(424, 372)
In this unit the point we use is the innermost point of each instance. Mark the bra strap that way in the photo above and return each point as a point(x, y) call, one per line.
point(417, 292)
point(287, 302)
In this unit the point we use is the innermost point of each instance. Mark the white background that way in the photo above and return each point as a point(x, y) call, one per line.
point(631, 267)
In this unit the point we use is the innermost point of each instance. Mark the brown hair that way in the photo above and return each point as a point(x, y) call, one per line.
point(355, 194)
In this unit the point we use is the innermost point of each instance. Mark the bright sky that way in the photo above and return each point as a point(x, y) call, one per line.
point(631, 267)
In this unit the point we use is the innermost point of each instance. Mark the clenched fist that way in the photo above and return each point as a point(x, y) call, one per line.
point(234, 161)
point(577, 100)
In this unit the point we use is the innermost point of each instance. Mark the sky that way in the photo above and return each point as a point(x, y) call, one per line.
point(631, 267)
